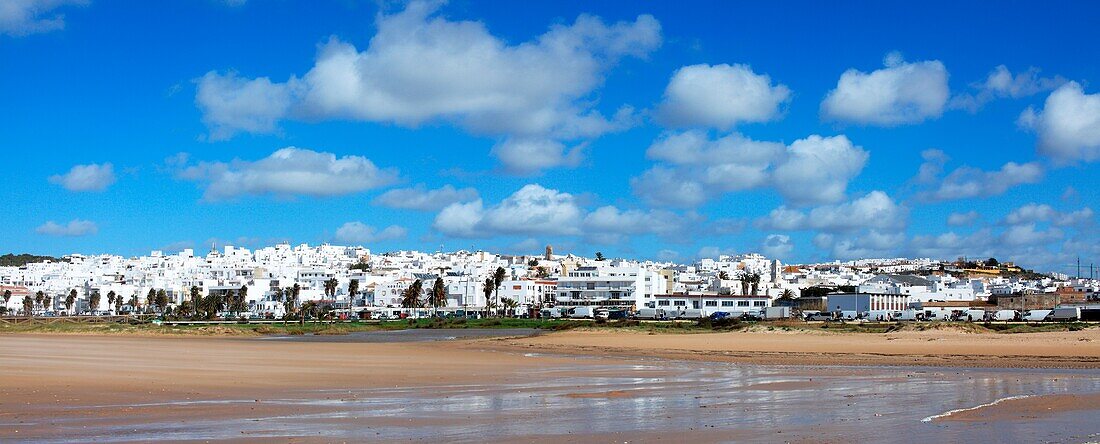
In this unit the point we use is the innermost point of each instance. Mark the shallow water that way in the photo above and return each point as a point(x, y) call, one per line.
point(640, 401)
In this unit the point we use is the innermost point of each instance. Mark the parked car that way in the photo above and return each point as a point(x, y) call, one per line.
point(817, 316)
point(719, 315)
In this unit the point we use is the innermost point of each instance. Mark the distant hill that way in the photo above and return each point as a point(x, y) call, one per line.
point(19, 260)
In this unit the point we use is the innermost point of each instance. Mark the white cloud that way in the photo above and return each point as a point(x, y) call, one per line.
point(231, 104)
point(713, 252)
point(1033, 212)
point(1028, 234)
point(1068, 125)
point(696, 169)
point(875, 210)
point(421, 198)
point(532, 210)
point(1002, 83)
point(75, 227)
point(777, 246)
point(962, 219)
point(91, 177)
point(871, 244)
point(818, 169)
point(360, 233)
point(932, 167)
point(289, 172)
point(24, 17)
point(720, 96)
point(967, 182)
point(900, 93)
point(528, 156)
point(537, 211)
point(421, 68)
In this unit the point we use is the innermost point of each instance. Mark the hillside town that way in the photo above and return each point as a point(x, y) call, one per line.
point(353, 283)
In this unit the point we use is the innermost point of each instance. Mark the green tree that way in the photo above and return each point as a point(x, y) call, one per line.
point(498, 278)
point(487, 289)
point(722, 275)
point(599, 256)
point(439, 293)
point(509, 305)
point(151, 298)
point(196, 300)
point(28, 305)
point(7, 297)
point(70, 299)
point(39, 297)
point(353, 289)
point(118, 304)
point(410, 298)
point(111, 299)
point(161, 300)
point(93, 301)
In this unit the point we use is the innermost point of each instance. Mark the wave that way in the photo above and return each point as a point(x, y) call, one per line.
point(988, 404)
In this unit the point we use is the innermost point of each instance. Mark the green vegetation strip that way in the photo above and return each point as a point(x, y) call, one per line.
point(701, 326)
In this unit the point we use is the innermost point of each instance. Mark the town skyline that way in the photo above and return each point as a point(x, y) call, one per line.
point(649, 132)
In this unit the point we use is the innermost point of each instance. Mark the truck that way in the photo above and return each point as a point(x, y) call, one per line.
point(777, 312)
point(656, 314)
point(1065, 314)
point(1037, 315)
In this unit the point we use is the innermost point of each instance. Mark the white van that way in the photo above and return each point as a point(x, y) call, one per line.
point(1037, 315)
point(1005, 315)
point(973, 315)
point(650, 313)
point(582, 313)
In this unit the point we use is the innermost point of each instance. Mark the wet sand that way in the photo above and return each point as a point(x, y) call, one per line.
point(1079, 349)
point(56, 388)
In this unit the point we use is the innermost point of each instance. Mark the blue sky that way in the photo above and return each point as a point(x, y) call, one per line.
point(663, 130)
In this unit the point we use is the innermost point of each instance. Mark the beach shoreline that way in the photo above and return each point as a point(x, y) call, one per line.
point(948, 349)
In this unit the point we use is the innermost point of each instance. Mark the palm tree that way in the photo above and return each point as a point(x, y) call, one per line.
point(353, 290)
point(93, 301)
point(70, 301)
point(134, 302)
point(439, 293)
point(28, 305)
point(599, 256)
point(110, 299)
point(411, 296)
point(754, 281)
point(38, 298)
point(7, 297)
point(488, 290)
point(744, 278)
point(118, 304)
point(722, 275)
point(498, 278)
point(196, 299)
point(509, 306)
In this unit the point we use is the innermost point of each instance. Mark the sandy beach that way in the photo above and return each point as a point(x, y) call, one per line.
point(580, 386)
point(935, 348)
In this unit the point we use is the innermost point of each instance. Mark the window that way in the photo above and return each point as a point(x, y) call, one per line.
point(662, 303)
point(742, 303)
point(759, 303)
point(695, 304)
point(711, 303)
point(680, 304)
point(727, 303)
point(591, 285)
